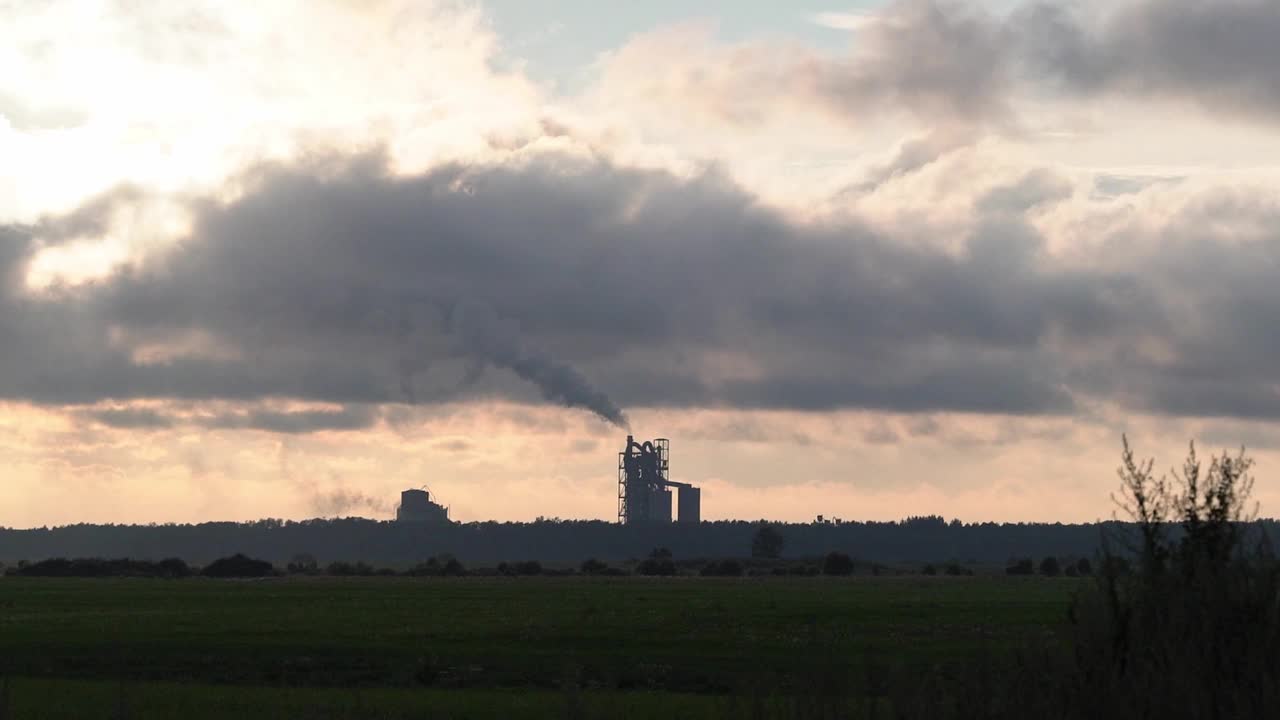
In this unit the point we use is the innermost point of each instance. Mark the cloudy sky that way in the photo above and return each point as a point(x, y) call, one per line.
point(864, 259)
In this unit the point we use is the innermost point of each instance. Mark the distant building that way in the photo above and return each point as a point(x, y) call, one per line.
point(416, 507)
point(644, 486)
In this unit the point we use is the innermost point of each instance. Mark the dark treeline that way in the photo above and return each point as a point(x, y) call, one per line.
point(567, 542)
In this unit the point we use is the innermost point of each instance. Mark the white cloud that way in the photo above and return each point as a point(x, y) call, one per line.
point(844, 20)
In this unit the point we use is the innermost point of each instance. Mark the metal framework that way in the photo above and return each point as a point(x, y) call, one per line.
point(644, 482)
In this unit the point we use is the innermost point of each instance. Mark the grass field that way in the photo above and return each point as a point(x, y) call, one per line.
point(484, 647)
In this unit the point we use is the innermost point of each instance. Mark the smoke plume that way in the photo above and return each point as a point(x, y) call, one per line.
point(498, 343)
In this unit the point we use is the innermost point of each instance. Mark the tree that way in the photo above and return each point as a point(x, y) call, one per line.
point(767, 542)
point(836, 563)
point(1024, 566)
point(659, 562)
point(303, 564)
point(723, 568)
point(592, 566)
point(1050, 567)
point(1084, 567)
point(238, 565)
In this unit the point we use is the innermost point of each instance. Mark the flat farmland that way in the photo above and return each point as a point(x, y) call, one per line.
point(486, 647)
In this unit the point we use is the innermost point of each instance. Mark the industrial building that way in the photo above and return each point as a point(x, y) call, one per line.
point(416, 507)
point(644, 486)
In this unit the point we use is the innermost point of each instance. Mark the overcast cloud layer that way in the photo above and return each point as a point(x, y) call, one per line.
point(591, 285)
point(1057, 213)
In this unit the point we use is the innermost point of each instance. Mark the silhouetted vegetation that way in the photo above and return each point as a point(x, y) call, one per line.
point(659, 562)
point(837, 564)
point(238, 566)
point(1084, 567)
point(521, 567)
point(767, 542)
point(303, 564)
point(1188, 629)
point(346, 569)
point(98, 567)
point(554, 542)
point(722, 568)
point(1050, 567)
point(1021, 566)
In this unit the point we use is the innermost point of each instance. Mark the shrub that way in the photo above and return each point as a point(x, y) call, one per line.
point(521, 567)
point(767, 543)
point(592, 566)
point(99, 567)
point(836, 563)
point(659, 562)
point(174, 568)
point(1023, 566)
point(238, 566)
point(958, 570)
point(722, 568)
point(340, 568)
point(1050, 567)
point(303, 564)
point(929, 570)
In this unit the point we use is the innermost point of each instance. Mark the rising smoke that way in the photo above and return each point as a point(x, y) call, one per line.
point(497, 342)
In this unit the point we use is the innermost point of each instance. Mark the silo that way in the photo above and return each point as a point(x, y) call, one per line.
point(690, 504)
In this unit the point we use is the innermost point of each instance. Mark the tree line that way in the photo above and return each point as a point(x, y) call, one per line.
point(914, 540)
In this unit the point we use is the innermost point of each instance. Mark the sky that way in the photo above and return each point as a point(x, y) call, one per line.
point(859, 259)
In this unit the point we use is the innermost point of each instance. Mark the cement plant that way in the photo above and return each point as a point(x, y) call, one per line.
point(644, 491)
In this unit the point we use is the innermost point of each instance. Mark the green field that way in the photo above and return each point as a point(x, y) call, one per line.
point(485, 647)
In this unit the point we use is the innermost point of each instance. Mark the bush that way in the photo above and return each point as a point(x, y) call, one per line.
point(1181, 619)
point(659, 562)
point(98, 567)
point(722, 568)
point(767, 543)
point(1023, 566)
point(1084, 567)
point(1050, 567)
point(521, 567)
point(303, 564)
point(174, 568)
point(441, 566)
point(1192, 628)
point(929, 570)
point(238, 566)
point(836, 563)
point(592, 566)
point(340, 568)
point(957, 569)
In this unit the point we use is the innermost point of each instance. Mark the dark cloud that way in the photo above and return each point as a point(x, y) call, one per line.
point(1220, 55)
point(600, 287)
point(288, 422)
point(959, 69)
point(944, 62)
point(130, 418)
